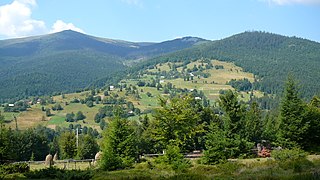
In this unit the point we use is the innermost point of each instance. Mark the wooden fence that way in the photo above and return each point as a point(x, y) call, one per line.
point(64, 164)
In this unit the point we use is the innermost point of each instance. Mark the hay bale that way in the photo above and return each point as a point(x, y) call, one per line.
point(97, 157)
point(49, 160)
point(55, 157)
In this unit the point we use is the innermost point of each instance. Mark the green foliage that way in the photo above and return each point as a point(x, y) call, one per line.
point(14, 168)
point(234, 135)
point(88, 147)
point(5, 145)
point(234, 112)
point(176, 122)
point(292, 159)
point(119, 145)
point(57, 107)
point(55, 173)
point(174, 159)
point(293, 125)
point(70, 117)
point(67, 143)
point(253, 123)
point(79, 116)
point(288, 154)
point(216, 145)
point(220, 146)
point(241, 85)
point(28, 142)
point(89, 103)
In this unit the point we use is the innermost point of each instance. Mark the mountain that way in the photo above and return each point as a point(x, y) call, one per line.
point(68, 61)
point(270, 57)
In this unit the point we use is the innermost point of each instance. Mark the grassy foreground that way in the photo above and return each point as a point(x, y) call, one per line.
point(238, 169)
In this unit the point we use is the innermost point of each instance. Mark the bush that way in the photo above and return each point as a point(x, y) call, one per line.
point(292, 159)
point(288, 154)
point(56, 173)
point(174, 159)
point(14, 168)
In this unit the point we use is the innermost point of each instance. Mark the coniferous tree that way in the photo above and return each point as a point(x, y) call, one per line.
point(293, 126)
point(253, 123)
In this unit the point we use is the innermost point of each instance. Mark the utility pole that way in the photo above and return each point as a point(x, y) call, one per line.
point(15, 119)
point(77, 138)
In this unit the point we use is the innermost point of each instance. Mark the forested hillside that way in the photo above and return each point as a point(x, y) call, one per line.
point(68, 61)
point(269, 56)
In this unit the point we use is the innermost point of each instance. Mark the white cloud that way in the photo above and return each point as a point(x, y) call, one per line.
point(16, 21)
point(59, 25)
point(286, 2)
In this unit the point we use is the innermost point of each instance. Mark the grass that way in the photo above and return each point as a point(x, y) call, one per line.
point(259, 168)
point(241, 169)
point(69, 166)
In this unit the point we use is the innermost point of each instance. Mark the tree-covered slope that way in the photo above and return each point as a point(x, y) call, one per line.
point(269, 56)
point(68, 60)
point(59, 72)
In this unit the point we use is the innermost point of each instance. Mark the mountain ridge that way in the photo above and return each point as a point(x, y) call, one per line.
point(56, 62)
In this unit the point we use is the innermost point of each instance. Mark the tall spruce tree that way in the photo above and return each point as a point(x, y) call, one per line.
point(253, 123)
point(234, 113)
point(293, 126)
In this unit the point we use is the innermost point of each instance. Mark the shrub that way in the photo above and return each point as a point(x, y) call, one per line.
point(174, 159)
point(288, 154)
point(14, 168)
point(56, 173)
point(292, 159)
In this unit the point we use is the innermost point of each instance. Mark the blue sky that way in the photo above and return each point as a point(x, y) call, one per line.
point(159, 20)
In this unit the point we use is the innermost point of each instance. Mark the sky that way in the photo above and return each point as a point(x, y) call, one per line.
point(160, 20)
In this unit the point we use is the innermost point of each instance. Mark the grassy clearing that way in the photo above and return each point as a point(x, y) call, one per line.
point(64, 165)
point(8, 116)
